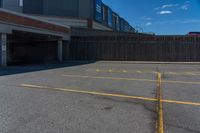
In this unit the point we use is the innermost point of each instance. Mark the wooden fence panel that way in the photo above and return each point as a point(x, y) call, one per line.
point(135, 48)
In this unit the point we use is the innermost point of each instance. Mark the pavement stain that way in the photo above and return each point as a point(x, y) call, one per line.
point(108, 108)
point(133, 102)
point(144, 104)
point(165, 76)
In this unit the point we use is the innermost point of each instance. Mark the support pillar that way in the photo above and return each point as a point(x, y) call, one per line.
point(3, 50)
point(90, 24)
point(60, 50)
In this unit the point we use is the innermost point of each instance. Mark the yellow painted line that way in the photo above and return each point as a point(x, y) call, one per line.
point(124, 71)
point(34, 86)
point(110, 70)
point(147, 72)
point(139, 71)
point(160, 123)
point(120, 71)
point(154, 72)
point(183, 73)
point(111, 78)
point(181, 82)
point(88, 92)
point(161, 120)
point(190, 73)
point(131, 79)
point(181, 102)
point(108, 94)
point(193, 74)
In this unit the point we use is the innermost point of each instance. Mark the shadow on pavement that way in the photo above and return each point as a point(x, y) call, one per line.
point(24, 68)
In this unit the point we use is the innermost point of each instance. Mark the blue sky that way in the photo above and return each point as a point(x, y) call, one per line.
point(160, 16)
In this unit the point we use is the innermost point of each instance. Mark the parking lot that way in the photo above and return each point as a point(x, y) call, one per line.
point(99, 97)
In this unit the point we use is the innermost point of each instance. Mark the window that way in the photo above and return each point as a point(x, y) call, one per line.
point(104, 15)
point(1, 3)
point(20, 3)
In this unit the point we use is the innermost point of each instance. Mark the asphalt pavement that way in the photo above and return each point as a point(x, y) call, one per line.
point(90, 97)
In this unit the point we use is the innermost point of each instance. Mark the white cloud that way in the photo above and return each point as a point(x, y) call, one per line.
point(184, 21)
point(166, 6)
point(147, 18)
point(148, 24)
point(187, 2)
point(164, 12)
point(184, 7)
point(157, 8)
point(169, 6)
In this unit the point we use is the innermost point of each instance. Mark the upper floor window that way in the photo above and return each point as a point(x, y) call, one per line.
point(20, 3)
point(104, 15)
point(1, 3)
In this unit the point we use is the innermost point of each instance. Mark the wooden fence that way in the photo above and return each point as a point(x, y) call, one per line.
point(134, 48)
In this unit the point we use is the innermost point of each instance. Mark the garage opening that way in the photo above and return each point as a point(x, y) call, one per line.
point(29, 48)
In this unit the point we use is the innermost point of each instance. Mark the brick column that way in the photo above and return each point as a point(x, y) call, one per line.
point(3, 50)
point(60, 50)
point(90, 24)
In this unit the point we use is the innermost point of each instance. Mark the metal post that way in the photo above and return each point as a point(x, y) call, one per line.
point(60, 50)
point(3, 50)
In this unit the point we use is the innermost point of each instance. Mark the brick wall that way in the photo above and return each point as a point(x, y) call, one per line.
point(16, 19)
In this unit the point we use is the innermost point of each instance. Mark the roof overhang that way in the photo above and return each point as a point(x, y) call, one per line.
point(11, 21)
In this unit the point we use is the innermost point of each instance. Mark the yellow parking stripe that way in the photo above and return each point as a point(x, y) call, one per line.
point(190, 73)
point(110, 70)
point(131, 79)
point(111, 78)
point(181, 82)
point(146, 72)
point(139, 71)
point(160, 121)
point(107, 94)
point(124, 71)
point(88, 92)
point(181, 102)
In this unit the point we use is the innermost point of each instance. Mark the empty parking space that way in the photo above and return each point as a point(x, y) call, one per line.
point(75, 103)
point(29, 110)
point(99, 97)
point(182, 92)
point(181, 118)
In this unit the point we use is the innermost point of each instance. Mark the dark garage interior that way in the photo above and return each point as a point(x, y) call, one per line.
point(26, 48)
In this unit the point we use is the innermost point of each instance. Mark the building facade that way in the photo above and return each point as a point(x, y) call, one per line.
point(14, 5)
point(84, 9)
